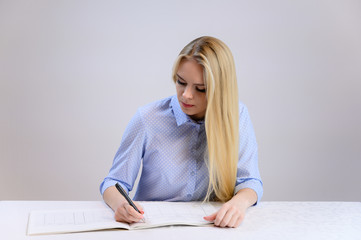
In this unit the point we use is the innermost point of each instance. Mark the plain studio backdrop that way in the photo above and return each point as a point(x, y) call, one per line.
point(73, 73)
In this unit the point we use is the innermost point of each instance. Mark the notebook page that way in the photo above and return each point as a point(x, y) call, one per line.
point(175, 213)
point(65, 221)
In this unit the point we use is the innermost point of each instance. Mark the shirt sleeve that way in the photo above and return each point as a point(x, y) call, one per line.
point(128, 158)
point(248, 175)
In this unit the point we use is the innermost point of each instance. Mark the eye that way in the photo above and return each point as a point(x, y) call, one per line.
point(181, 83)
point(201, 90)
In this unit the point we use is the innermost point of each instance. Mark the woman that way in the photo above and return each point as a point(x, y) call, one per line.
point(197, 145)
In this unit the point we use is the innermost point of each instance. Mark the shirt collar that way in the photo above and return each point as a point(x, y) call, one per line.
point(179, 115)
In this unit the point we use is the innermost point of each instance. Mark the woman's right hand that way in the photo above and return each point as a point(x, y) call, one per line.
point(126, 213)
point(123, 211)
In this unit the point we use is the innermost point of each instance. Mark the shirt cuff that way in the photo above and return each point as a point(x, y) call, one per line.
point(108, 183)
point(253, 184)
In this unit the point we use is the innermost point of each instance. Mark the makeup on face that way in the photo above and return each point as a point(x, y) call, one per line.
point(191, 90)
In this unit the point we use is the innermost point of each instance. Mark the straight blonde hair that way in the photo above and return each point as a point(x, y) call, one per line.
point(222, 113)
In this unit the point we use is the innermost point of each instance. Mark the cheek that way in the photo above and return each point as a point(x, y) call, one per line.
point(178, 90)
point(203, 102)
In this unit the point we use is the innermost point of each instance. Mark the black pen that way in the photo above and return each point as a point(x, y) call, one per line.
point(121, 190)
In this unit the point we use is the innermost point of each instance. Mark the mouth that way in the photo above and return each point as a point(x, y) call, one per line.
point(186, 105)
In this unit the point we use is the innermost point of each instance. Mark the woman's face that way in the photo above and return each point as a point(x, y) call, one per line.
point(191, 91)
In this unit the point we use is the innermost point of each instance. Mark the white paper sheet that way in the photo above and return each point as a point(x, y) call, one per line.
point(156, 214)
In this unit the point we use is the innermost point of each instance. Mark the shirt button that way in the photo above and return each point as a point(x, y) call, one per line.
point(189, 195)
point(193, 173)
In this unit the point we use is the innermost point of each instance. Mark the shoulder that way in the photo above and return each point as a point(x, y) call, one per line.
point(244, 115)
point(242, 108)
point(156, 106)
point(156, 111)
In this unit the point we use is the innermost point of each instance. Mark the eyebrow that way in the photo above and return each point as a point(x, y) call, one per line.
point(196, 84)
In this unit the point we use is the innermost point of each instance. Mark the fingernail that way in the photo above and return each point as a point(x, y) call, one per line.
point(142, 212)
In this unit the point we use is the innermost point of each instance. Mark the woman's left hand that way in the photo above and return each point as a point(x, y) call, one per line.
point(232, 213)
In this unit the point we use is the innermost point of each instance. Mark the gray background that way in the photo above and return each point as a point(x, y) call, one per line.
point(73, 73)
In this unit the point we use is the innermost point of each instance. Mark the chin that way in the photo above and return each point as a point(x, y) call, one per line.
point(188, 111)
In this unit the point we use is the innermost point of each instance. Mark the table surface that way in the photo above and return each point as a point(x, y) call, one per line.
point(267, 220)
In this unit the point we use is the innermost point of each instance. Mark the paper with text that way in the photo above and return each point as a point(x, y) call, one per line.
point(156, 214)
point(175, 213)
point(63, 221)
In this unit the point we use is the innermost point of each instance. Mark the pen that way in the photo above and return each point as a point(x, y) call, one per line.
point(121, 190)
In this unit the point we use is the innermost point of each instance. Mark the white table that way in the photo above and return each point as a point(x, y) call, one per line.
point(268, 220)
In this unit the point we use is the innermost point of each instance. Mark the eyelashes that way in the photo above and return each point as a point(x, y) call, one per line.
point(181, 83)
point(184, 84)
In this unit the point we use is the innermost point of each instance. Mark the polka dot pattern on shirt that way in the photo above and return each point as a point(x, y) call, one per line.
point(173, 148)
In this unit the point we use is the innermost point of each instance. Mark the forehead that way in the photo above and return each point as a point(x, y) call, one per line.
point(190, 70)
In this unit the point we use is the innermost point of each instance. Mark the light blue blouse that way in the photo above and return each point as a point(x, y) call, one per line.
point(173, 147)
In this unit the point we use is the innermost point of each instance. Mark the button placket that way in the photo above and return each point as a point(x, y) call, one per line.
point(196, 147)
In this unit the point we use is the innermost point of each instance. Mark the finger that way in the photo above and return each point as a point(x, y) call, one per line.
point(210, 217)
point(139, 207)
point(131, 218)
point(118, 217)
point(124, 213)
point(239, 221)
point(233, 222)
point(132, 212)
point(121, 215)
point(236, 220)
point(220, 216)
point(226, 219)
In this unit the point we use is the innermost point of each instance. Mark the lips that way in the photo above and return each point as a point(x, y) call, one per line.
point(187, 105)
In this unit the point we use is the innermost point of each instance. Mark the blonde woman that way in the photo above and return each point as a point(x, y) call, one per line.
point(198, 145)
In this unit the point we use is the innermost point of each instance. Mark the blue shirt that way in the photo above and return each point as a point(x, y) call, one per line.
point(173, 148)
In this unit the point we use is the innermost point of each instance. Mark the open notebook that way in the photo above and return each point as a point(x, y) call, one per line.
point(156, 214)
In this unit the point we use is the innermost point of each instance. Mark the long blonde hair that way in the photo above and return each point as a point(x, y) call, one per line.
point(222, 114)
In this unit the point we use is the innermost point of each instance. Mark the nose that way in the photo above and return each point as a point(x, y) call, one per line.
point(187, 94)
